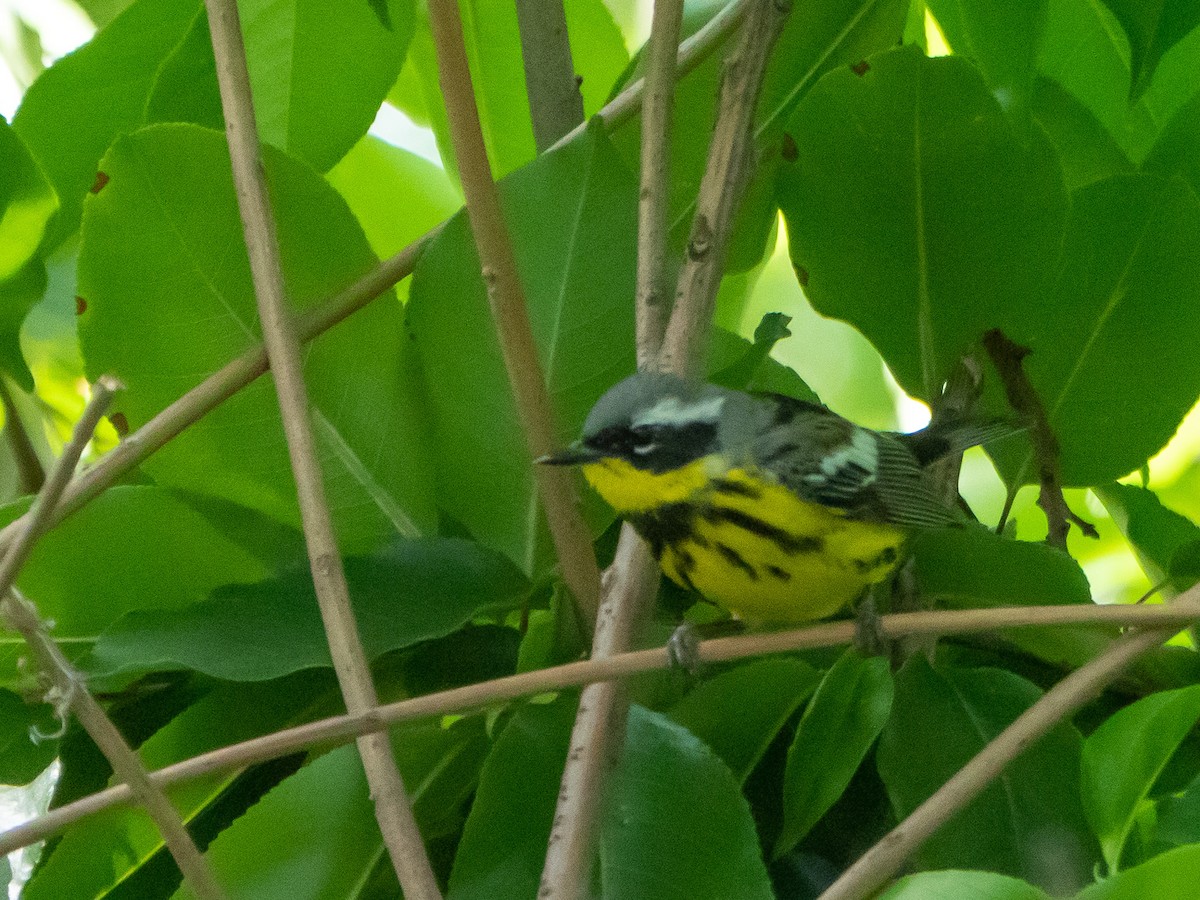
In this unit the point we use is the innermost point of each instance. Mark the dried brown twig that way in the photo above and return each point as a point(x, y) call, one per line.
point(1007, 356)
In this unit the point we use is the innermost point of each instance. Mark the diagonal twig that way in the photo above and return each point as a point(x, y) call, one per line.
point(393, 810)
point(506, 297)
point(67, 687)
point(344, 728)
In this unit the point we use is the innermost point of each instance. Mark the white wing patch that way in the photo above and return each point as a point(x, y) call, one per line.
point(861, 453)
point(670, 411)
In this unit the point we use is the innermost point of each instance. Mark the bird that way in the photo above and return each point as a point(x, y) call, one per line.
point(777, 509)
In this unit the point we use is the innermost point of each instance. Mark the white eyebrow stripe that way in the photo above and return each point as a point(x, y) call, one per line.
point(861, 451)
point(669, 411)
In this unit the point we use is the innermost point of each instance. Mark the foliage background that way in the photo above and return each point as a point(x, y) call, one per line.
point(1057, 149)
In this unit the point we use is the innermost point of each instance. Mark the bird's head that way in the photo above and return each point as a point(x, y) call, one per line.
point(654, 422)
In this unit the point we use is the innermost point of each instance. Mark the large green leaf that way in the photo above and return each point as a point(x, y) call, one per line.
point(843, 720)
point(738, 713)
point(1123, 757)
point(911, 236)
point(1165, 542)
point(318, 72)
point(1171, 876)
point(1002, 40)
point(1153, 27)
point(412, 591)
point(572, 215)
point(955, 885)
point(23, 754)
point(1177, 150)
point(940, 719)
point(73, 111)
point(666, 775)
point(131, 548)
point(1100, 343)
point(710, 850)
point(167, 316)
point(1086, 151)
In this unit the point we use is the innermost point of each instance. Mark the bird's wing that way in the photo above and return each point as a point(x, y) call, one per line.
point(870, 476)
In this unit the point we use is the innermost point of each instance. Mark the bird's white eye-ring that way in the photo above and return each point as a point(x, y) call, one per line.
point(643, 440)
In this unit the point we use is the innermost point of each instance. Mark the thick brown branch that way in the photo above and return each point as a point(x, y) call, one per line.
point(506, 295)
point(392, 808)
point(341, 729)
point(1023, 397)
point(555, 104)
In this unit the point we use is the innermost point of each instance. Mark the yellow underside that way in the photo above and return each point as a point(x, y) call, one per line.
point(852, 555)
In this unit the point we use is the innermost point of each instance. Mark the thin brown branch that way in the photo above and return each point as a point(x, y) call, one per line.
point(879, 864)
point(67, 689)
point(392, 808)
point(342, 729)
point(506, 296)
point(1008, 356)
point(555, 103)
point(731, 160)
point(653, 308)
point(632, 581)
point(692, 52)
point(30, 474)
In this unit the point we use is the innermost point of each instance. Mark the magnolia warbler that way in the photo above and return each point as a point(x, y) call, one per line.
point(777, 509)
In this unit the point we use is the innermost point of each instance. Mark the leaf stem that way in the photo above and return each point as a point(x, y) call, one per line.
point(392, 808)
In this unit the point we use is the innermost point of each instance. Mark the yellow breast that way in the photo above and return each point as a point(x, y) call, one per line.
point(748, 543)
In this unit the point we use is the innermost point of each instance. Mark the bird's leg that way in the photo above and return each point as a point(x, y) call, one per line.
point(869, 636)
point(683, 646)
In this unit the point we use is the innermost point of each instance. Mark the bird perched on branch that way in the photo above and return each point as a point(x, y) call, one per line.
point(779, 510)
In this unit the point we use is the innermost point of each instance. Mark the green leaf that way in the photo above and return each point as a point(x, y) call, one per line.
point(597, 50)
point(85, 583)
point(1164, 541)
point(23, 756)
point(1177, 818)
point(1086, 151)
point(316, 831)
point(396, 195)
point(412, 591)
point(1002, 40)
point(503, 844)
point(964, 568)
point(1083, 49)
point(940, 719)
point(710, 849)
point(846, 714)
point(18, 295)
point(1170, 876)
point(183, 306)
point(911, 235)
point(73, 111)
point(1177, 150)
point(952, 885)
point(572, 215)
point(1123, 757)
point(27, 201)
point(732, 355)
point(318, 73)
point(1132, 250)
point(1152, 28)
point(739, 712)
point(665, 775)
